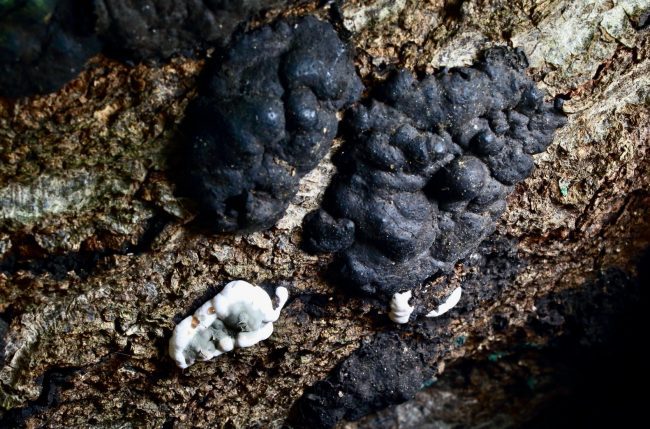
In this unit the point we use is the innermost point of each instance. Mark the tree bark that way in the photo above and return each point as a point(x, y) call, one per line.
point(99, 258)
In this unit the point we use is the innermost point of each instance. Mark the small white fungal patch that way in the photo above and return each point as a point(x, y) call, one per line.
point(241, 315)
point(450, 303)
point(400, 310)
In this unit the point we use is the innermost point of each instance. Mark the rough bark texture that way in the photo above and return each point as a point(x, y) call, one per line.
point(99, 259)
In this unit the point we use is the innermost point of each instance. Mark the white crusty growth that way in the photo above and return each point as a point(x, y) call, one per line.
point(241, 315)
point(400, 310)
point(450, 303)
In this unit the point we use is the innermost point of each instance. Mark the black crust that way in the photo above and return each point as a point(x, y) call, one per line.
point(265, 118)
point(428, 169)
point(44, 45)
point(137, 30)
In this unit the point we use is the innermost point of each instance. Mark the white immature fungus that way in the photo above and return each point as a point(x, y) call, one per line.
point(241, 315)
point(400, 310)
point(449, 303)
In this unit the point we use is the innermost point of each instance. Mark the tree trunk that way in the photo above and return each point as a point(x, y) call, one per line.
point(99, 258)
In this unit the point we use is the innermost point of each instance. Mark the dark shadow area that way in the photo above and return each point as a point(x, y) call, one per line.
point(599, 359)
point(576, 364)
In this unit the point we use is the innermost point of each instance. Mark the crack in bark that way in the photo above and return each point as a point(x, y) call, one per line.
point(26, 255)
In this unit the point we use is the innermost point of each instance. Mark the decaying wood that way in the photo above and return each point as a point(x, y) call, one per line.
point(99, 259)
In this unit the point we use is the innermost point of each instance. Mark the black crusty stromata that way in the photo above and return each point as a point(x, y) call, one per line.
point(265, 118)
point(137, 30)
point(427, 170)
point(43, 44)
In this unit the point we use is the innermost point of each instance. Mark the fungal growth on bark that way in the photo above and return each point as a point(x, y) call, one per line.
point(43, 44)
point(46, 43)
point(448, 304)
point(427, 171)
point(241, 315)
point(265, 118)
point(400, 309)
point(157, 29)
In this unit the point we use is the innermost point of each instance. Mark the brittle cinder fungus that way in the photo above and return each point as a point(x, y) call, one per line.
point(139, 30)
point(427, 170)
point(241, 315)
point(46, 43)
point(43, 44)
point(266, 118)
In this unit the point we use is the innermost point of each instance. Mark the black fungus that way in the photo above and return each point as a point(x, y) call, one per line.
point(265, 118)
point(46, 43)
point(427, 170)
point(383, 371)
point(139, 30)
point(43, 44)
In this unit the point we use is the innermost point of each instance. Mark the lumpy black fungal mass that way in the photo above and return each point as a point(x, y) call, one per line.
point(43, 44)
point(265, 118)
point(46, 43)
point(427, 170)
point(157, 29)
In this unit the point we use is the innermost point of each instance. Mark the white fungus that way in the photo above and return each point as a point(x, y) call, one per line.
point(241, 315)
point(449, 303)
point(400, 310)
